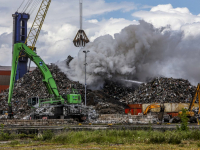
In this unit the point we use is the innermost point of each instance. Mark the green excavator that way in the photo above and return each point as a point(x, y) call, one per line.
point(66, 106)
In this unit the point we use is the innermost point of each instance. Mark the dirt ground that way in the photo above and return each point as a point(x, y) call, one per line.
point(185, 145)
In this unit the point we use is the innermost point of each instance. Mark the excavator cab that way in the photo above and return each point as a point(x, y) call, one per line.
point(33, 101)
point(74, 99)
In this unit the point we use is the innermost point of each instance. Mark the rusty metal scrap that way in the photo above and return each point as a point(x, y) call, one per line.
point(167, 90)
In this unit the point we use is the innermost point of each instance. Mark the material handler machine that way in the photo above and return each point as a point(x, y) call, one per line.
point(58, 107)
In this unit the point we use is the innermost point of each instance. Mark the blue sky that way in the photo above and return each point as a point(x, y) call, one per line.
point(193, 6)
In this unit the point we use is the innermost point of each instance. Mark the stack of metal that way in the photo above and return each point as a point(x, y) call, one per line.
point(167, 90)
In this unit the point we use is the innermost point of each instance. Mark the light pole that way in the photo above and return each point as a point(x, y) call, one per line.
point(85, 73)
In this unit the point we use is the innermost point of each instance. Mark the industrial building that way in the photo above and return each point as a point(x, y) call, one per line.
point(5, 77)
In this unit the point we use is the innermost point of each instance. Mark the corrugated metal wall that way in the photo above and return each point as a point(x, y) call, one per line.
point(4, 79)
point(3, 87)
point(171, 107)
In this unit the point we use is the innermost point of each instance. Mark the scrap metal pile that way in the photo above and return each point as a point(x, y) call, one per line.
point(31, 85)
point(112, 98)
point(167, 90)
point(109, 100)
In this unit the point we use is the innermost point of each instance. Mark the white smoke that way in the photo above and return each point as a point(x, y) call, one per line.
point(138, 52)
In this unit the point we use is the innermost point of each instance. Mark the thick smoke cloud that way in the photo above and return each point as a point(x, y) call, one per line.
point(138, 52)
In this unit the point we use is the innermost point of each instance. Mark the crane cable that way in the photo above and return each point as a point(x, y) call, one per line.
point(29, 6)
point(21, 5)
point(32, 6)
point(35, 5)
point(25, 5)
point(30, 1)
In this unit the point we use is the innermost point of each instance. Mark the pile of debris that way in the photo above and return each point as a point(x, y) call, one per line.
point(109, 100)
point(166, 90)
point(31, 85)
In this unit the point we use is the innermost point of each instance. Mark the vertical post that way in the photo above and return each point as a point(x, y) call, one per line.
point(85, 79)
point(13, 39)
point(85, 75)
point(80, 5)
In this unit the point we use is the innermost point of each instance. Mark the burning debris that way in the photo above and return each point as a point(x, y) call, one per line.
point(167, 90)
point(31, 85)
point(111, 99)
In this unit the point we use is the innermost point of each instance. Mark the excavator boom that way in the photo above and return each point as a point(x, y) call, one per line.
point(151, 107)
point(197, 95)
point(47, 76)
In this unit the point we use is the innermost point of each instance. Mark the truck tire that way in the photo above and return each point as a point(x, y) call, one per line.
point(77, 119)
point(193, 119)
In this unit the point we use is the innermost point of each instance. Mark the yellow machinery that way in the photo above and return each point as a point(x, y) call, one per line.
point(196, 96)
point(37, 24)
point(190, 111)
point(161, 113)
point(156, 105)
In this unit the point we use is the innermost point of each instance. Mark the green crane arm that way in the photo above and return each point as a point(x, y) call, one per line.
point(47, 76)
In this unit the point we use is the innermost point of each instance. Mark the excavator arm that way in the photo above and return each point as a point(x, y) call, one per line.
point(197, 93)
point(47, 76)
point(151, 107)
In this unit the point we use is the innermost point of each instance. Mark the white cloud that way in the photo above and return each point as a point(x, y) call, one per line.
point(163, 15)
point(93, 21)
point(61, 25)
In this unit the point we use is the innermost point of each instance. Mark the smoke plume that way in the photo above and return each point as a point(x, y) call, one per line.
point(138, 52)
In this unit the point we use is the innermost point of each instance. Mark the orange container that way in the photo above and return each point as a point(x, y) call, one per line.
point(137, 106)
point(127, 111)
point(135, 111)
point(5, 72)
point(3, 87)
